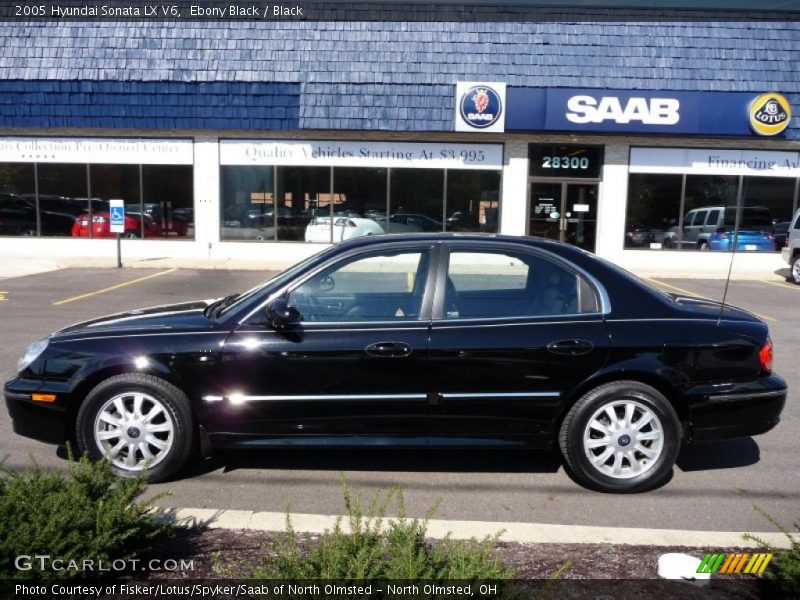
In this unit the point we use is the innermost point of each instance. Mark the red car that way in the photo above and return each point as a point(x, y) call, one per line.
point(101, 226)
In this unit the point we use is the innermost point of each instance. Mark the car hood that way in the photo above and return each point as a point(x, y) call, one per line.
point(183, 316)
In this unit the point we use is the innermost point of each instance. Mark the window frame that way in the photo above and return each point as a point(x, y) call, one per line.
point(438, 312)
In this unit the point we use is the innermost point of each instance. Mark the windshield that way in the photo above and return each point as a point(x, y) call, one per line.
point(277, 280)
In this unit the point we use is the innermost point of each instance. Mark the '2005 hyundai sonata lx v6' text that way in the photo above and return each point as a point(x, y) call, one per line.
point(426, 339)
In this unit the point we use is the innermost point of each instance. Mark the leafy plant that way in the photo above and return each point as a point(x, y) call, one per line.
point(374, 547)
point(782, 576)
point(86, 514)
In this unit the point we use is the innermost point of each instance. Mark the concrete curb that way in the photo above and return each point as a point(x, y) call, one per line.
point(524, 533)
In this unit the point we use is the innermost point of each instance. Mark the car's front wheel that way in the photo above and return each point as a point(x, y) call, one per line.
point(621, 437)
point(137, 422)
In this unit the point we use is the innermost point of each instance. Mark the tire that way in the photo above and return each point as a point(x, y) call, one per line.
point(130, 235)
point(163, 429)
point(795, 272)
point(702, 246)
point(643, 463)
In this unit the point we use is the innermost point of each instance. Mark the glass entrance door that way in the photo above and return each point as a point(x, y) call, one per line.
point(580, 214)
point(544, 215)
point(563, 211)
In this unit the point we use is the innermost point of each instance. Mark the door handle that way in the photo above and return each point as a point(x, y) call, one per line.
point(391, 349)
point(571, 347)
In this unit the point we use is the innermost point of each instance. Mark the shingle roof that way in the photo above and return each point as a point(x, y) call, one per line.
point(365, 75)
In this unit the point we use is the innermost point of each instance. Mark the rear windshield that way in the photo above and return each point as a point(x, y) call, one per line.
point(752, 218)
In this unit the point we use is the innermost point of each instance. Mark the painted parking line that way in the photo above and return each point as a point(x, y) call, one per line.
point(113, 287)
point(786, 285)
point(3, 296)
point(691, 293)
point(656, 282)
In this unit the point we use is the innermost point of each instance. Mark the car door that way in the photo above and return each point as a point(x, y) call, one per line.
point(513, 332)
point(355, 365)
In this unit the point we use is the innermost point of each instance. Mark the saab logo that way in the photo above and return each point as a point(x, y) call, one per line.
point(655, 111)
point(742, 562)
point(769, 114)
point(481, 106)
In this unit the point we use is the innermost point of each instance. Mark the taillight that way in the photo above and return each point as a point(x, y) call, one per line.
point(765, 356)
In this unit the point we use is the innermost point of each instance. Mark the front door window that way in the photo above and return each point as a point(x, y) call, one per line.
point(387, 286)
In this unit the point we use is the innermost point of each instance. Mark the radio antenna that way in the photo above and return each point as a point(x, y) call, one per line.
point(733, 250)
point(728, 280)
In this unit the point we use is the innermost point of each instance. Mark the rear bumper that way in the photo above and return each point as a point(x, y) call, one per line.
point(740, 410)
point(43, 422)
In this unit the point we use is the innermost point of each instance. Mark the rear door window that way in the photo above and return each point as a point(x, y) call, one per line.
point(496, 284)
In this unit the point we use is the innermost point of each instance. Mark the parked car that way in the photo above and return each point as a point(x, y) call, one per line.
point(18, 217)
point(434, 339)
point(781, 230)
point(101, 226)
point(410, 222)
point(700, 224)
point(749, 240)
point(344, 228)
point(791, 251)
point(168, 222)
point(640, 236)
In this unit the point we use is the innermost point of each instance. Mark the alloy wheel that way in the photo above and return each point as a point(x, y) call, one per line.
point(623, 439)
point(134, 431)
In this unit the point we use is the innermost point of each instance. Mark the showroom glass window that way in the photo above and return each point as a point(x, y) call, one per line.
point(324, 204)
point(67, 199)
point(701, 212)
point(18, 215)
point(168, 200)
point(473, 201)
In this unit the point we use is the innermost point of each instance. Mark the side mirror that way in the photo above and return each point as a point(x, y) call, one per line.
point(280, 315)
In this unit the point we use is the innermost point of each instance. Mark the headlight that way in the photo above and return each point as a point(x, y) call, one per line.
point(31, 354)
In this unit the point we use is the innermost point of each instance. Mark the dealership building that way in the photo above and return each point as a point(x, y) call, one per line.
point(643, 137)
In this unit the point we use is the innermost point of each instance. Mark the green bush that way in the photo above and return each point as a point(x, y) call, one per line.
point(379, 548)
point(782, 577)
point(86, 514)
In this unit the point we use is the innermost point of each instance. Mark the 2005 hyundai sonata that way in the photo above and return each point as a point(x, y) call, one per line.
point(435, 340)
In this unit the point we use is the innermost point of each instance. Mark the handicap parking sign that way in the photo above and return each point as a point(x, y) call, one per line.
point(117, 209)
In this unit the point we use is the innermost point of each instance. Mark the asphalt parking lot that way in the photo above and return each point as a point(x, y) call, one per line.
point(714, 487)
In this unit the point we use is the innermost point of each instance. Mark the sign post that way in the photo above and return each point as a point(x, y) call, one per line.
point(117, 210)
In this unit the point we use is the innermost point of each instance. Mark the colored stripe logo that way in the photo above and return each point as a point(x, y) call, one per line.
point(740, 562)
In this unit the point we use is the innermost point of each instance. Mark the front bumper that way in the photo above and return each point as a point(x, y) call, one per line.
point(40, 421)
point(786, 255)
point(737, 410)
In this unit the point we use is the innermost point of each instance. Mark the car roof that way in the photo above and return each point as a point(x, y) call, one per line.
point(430, 237)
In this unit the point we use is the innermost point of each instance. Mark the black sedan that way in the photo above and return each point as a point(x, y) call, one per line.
point(427, 339)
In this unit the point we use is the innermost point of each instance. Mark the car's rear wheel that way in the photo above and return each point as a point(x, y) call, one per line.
point(796, 269)
point(623, 436)
point(137, 422)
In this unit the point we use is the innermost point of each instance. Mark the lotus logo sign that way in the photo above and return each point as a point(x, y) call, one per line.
point(769, 114)
point(479, 106)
